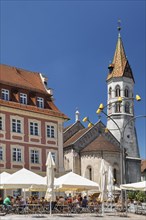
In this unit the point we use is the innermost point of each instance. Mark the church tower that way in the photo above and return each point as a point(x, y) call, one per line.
point(120, 83)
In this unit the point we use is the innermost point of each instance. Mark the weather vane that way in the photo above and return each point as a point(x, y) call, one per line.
point(119, 26)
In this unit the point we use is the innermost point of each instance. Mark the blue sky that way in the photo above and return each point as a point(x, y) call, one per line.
point(72, 43)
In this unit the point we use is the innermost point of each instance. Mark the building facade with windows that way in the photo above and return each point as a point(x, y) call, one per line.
point(30, 123)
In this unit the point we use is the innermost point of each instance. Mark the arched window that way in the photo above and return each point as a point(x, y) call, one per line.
point(115, 175)
point(110, 108)
point(89, 173)
point(110, 92)
point(126, 92)
point(117, 91)
point(127, 107)
point(117, 107)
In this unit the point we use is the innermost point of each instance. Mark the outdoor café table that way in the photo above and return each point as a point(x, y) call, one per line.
point(63, 208)
point(35, 208)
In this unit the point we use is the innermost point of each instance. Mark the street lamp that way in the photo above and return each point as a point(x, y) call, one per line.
point(121, 130)
point(86, 119)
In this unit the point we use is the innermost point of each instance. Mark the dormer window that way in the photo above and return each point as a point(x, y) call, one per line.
point(23, 98)
point(40, 102)
point(5, 94)
point(110, 67)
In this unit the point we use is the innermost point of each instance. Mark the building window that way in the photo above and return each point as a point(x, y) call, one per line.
point(126, 92)
point(50, 131)
point(23, 98)
point(53, 156)
point(110, 107)
point(1, 153)
point(117, 91)
point(34, 156)
point(89, 173)
point(16, 125)
point(115, 175)
point(1, 123)
point(34, 128)
point(110, 92)
point(117, 107)
point(40, 102)
point(5, 94)
point(127, 107)
point(17, 155)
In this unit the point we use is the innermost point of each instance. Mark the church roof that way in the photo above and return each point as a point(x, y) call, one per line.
point(92, 139)
point(120, 66)
point(17, 77)
point(101, 144)
point(76, 136)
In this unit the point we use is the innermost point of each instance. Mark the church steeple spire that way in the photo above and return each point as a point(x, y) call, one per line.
point(120, 66)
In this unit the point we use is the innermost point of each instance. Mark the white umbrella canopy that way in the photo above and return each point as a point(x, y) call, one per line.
point(74, 182)
point(104, 167)
point(110, 183)
point(141, 186)
point(3, 177)
point(24, 179)
point(50, 165)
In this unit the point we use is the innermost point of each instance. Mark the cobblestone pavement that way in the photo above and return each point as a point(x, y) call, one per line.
point(107, 216)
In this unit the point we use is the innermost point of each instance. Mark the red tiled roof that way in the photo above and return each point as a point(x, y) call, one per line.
point(30, 108)
point(21, 78)
point(75, 137)
point(100, 143)
point(31, 81)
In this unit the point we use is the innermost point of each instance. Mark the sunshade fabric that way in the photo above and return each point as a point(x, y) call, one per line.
point(141, 186)
point(74, 182)
point(24, 179)
point(3, 177)
point(50, 165)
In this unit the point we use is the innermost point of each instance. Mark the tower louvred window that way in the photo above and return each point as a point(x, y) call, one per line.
point(117, 91)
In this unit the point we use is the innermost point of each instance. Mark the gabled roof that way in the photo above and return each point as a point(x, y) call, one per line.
point(31, 81)
point(120, 66)
point(91, 139)
point(101, 144)
point(75, 137)
point(71, 130)
point(21, 78)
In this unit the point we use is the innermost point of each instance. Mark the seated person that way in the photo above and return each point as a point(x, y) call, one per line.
point(84, 202)
point(7, 202)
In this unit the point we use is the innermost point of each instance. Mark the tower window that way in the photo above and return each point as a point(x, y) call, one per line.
point(127, 107)
point(117, 91)
point(110, 108)
point(117, 107)
point(126, 92)
point(110, 92)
